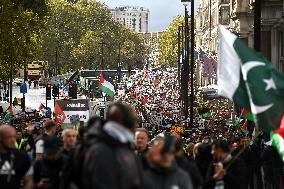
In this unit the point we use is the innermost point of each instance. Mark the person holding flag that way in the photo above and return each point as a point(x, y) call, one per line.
point(251, 81)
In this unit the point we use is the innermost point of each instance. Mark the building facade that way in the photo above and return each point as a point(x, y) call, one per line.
point(272, 27)
point(238, 17)
point(133, 17)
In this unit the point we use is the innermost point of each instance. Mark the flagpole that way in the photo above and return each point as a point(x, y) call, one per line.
point(241, 151)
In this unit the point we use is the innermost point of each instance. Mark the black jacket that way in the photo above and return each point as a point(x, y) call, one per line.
point(48, 170)
point(110, 164)
point(191, 168)
point(13, 167)
point(235, 177)
point(272, 167)
point(158, 178)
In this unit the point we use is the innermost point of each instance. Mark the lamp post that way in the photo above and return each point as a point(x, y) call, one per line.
point(179, 55)
point(257, 25)
point(192, 41)
point(119, 64)
point(180, 59)
point(186, 61)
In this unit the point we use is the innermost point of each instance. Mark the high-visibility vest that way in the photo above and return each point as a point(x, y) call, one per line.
point(21, 143)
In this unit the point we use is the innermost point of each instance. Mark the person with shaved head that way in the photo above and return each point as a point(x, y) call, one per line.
point(13, 163)
point(69, 136)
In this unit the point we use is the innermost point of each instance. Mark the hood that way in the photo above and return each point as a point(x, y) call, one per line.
point(119, 132)
point(111, 131)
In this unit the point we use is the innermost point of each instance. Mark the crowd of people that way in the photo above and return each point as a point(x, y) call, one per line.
point(136, 147)
point(114, 153)
point(155, 95)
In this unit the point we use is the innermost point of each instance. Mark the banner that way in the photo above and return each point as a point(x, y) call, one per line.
point(67, 110)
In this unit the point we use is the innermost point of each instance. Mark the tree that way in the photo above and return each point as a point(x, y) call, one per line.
point(84, 36)
point(168, 43)
point(20, 39)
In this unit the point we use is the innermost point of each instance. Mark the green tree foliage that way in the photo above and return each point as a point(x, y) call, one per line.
point(84, 36)
point(68, 35)
point(20, 23)
point(168, 43)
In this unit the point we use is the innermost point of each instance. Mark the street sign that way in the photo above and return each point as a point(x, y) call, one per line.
point(23, 88)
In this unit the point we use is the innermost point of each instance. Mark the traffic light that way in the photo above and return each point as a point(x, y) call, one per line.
point(48, 92)
point(55, 91)
point(72, 91)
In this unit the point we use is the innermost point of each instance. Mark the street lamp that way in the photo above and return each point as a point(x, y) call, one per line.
point(192, 41)
point(186, 61)
point(185, 2)
point(185, 73)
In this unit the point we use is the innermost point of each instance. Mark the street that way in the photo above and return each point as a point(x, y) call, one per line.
point(34, 97)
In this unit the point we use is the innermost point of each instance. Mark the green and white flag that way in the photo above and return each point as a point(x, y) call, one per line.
point(106, 86)
point(250, 80)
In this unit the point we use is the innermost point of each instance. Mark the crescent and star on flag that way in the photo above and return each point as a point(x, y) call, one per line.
point(270, 84)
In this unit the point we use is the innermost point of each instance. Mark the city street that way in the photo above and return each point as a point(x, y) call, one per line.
point(34, 97)
point(151, 94)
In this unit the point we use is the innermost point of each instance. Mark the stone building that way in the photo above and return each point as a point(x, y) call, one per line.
point(133, 17)
point(272, 27)
point(238, 16)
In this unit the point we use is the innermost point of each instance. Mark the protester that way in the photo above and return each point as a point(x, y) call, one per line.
point(163, 172)
point(73, 169)
point(111, 162)
point(225, 171)
point(141, 141)
point(217, 151)
point(46, 172)
point(50, 130)
point(21, 143)
point(188, 165)
point(251, 156)
point(69, 140)
point(13, 163)
point(272, 167)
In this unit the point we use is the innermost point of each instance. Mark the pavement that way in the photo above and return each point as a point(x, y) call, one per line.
point(34, 97)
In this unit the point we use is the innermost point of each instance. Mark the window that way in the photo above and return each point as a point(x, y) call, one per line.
point(224, 16)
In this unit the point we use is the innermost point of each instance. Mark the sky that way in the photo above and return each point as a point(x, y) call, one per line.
point(162, 12)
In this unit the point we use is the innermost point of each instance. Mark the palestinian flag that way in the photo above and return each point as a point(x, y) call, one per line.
point(247, 114)
point(106, 86)
point(136, 100)
point(59, 114)
point(278, 139)
point(42, 109)
point(251, 81)
point(41, 106)
point(8, 113)
point(9, 109)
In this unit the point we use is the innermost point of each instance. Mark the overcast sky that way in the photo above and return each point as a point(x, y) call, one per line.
point(162, 12)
